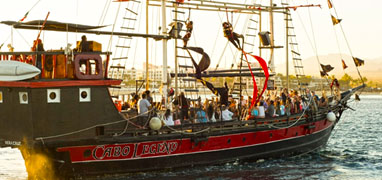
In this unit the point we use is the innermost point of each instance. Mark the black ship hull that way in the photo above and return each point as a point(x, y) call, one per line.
point(81, 136)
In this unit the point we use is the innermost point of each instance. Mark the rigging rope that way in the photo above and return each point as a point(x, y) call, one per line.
point(104, 13)
point(348, 45)
point(314, 41)
point(26, 14)
point(311, 44)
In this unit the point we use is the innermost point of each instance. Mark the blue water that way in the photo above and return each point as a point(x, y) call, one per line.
point(354, 151)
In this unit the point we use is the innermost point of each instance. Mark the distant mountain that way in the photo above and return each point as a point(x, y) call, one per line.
point(372, 69)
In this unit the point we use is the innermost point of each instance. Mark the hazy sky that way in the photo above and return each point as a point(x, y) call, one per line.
point(360, 22)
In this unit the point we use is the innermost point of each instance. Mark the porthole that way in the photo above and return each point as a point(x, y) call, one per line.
point(296, 133)
point(85, 94)
point(23, 96)
point(87, 153)
point(54, 95)
point(229, 141)
point(244, 139)
point(270, 135)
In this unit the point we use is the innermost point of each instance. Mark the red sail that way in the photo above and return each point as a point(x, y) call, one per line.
point(264, 66)
point(254, 81)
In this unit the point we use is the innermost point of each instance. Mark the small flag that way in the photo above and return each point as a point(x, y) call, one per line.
point(323, 74)
point(330, 4)
point(335, 20)
point(358, 62)
point(25, 16)
point(344, 66)
point(327, 68)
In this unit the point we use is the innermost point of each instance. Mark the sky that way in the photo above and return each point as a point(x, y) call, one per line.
point(360, 22)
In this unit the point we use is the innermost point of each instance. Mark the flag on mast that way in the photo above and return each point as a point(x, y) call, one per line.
point(358, 62)
point(344, 66)
point(330, 4)
point(335, 20)
point(323, 74)
point(326, 68)
point(25, 16)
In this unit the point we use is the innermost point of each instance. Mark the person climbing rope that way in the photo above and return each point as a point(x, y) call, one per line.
point(187, 36)
point(232, 36)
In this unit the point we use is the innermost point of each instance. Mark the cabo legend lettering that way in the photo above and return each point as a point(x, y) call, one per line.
point(152, 149)
point(103, 152)
point(133, 151)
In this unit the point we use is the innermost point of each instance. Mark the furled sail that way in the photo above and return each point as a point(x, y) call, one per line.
point(51, 25)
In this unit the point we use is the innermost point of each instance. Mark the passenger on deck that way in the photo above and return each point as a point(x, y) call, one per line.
point(84, 45)
point(149, 98)
point(278, 108)
point(261, 110)
point(270, 112)
point(284, 95)
point(168, 120)
point(184, 106)
point(211, 111)
point(201, 116)
point(254, 112)
point(143, 109)
point(134, 101)
point(323, 101)
point(282, 108)
point(288, 107)
point(226, 114)
point(39, 47)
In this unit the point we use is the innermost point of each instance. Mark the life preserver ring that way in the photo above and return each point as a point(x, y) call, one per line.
point(85, 59)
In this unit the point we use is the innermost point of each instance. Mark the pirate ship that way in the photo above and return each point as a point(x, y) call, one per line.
point(68, 115)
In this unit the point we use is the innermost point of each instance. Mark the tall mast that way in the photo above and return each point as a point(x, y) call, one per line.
point(164, 72)
point(271, 60)
point(287, 46)
point(147, 45)
point(176, 50)
point(260, 29)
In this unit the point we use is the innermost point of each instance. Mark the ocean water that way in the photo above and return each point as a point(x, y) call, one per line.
point(354, 151)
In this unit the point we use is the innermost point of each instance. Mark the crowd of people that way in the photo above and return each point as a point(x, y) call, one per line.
point(273, 104)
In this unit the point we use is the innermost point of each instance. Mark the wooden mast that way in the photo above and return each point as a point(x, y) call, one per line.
point(287, 46)
point(176, 49)
point(164, 72)
point(271, 60)
point(147, 45)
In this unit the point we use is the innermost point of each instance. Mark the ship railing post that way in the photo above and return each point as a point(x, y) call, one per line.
point(42, 65)
point(107, 64)
point(54, 66)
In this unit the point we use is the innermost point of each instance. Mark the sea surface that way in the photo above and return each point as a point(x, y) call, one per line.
point(354, 151)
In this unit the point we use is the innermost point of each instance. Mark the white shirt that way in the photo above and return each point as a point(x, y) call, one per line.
point(169, 121)
point(261, 111)
point(227, 115)
point(143, 106)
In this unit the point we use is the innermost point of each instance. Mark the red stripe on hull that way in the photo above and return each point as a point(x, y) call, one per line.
point(50, 84)
point(155, 149)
